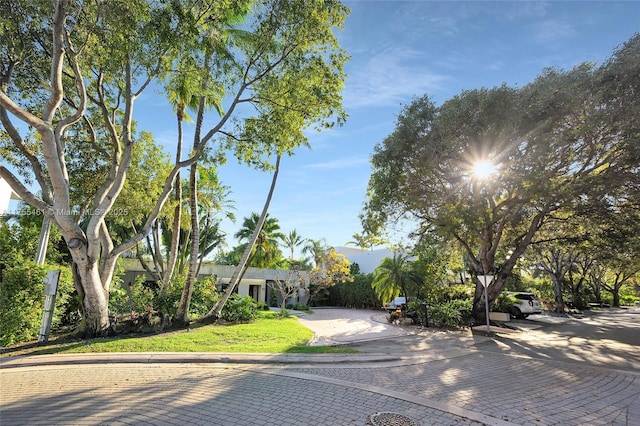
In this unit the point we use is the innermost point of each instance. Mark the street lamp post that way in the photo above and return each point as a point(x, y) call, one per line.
point(486, 280)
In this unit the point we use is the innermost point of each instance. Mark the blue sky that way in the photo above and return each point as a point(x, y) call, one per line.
point(400, 50)
point(403, 49)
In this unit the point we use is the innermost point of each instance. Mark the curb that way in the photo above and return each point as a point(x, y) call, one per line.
point(191, 357)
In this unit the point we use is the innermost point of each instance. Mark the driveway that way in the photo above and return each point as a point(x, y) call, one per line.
point(339, 326)
point(609, 338)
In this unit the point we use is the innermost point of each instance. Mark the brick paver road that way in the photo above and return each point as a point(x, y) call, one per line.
point(432, 378)
point(192, 394)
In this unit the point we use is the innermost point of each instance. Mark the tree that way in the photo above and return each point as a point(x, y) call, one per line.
point(243, 264)
point(99, 57)
point(266, 252)
point(554, 143)
point(289, 286)
point(394, 276)
point(317, 250)
point(365, 241)
point(334, 268)
point(292, 240)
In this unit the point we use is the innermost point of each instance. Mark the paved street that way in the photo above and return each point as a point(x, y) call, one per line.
point(430, 377)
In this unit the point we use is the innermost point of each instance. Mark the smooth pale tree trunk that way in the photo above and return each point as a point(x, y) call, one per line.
point(93, 288)
point(95, 302)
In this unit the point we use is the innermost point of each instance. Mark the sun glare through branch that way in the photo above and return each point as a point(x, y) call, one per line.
point(484, 169)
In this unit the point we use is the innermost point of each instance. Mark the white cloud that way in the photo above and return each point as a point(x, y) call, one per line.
point(389, 78)
point(341, 163)
point(551, 30)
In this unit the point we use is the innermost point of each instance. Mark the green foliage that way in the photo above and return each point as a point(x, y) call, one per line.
point(144, 298)
point(628, 300)
point(564, 144)
point(394, 316)
point(204, 296)
point(395, 276)
point(139, 298)
point(68, 310)
point(268, 334)
point(298, 307)
point(446, 314)
point(21, 302)
point(355, 294)
point(284, 61)
point(240, 309)
point(504, 303)
point(266, 252)
point(450, 293)
point(20, 236)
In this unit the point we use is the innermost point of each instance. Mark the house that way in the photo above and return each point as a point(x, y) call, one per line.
point(258, 283)
point(367, 260)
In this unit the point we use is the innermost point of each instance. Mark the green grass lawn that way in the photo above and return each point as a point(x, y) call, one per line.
point(268, 334)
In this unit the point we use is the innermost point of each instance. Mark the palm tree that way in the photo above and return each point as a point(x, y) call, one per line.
point(365, 241)
point(266, 252)
point(182, 92)
point(292, 240)
point(216, 33)
point(317, 250)
point(394, 276)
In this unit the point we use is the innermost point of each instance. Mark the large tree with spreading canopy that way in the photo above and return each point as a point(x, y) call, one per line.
point(72, 71)
point(567, 139)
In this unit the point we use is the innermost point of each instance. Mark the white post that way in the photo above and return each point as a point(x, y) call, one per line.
point(43, 241)
point(486, 280)
point(50, 290)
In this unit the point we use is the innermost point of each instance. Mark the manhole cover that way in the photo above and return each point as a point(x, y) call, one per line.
point(391, 419)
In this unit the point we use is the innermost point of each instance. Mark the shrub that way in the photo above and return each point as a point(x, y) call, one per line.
point(142, 297)
point(203, 298)
point(451, 292)
point(394, 316)
point(355, 294)
point(504, 303)
point(68, 310)
point(628, 300)
point(297, 306)
point(240, 309)
point(446, 314)
point(21, 302)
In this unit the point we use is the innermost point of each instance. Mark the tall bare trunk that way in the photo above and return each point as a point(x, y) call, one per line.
point(182, 313)
point(177, 213)
point(237, 275)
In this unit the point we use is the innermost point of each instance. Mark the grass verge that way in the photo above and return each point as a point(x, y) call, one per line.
point(268, 334)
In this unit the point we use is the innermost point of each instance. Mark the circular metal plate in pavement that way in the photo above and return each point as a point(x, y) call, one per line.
point(391, 419)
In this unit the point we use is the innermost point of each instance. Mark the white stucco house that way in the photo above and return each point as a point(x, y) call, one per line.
point(367, 260)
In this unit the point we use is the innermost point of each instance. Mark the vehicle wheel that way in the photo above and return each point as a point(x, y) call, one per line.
point(517, 313)
point(524, 316)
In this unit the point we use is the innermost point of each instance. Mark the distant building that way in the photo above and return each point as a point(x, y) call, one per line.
point(367, 260)
point(258, 283)
point(6, 195)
